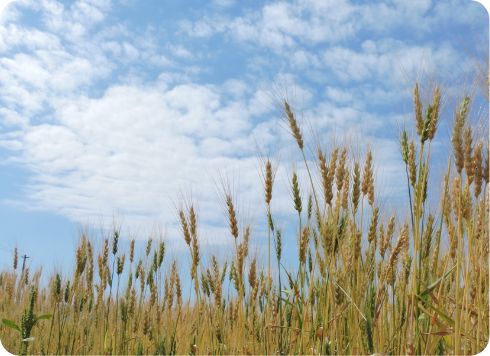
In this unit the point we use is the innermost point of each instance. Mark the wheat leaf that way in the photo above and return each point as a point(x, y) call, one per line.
point(10, 324)
point(436, 283)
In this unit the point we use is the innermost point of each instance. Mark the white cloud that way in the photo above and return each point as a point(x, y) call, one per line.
point(134, 149)
point(181, 51)
point(304, 59)
point(74, 20)
point(339, 95)
point(390, 62)
point(31, 39)
point(281, 25)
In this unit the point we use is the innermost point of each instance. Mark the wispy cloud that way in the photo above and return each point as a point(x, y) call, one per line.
point(281, 24)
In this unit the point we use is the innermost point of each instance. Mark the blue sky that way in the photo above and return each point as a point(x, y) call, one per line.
point(112, 110)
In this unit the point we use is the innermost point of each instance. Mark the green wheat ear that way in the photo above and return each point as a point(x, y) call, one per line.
point(404, 146)
point(28, 321)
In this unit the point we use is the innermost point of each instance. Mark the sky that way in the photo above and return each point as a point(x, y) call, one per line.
point(114, 112)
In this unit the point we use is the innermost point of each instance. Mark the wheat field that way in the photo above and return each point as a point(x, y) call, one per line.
point(365, 283)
